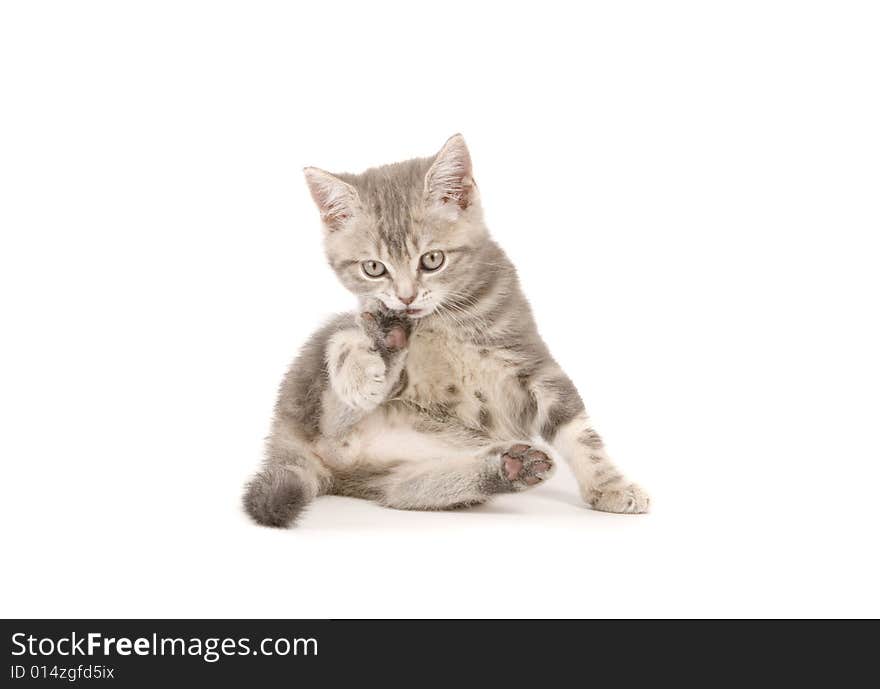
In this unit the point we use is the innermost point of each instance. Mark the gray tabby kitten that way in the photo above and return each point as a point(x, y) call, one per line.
point(439, 392)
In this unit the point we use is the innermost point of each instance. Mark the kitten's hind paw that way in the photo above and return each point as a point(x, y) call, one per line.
point(359, 379)
point(518, 467)
point(388, 331)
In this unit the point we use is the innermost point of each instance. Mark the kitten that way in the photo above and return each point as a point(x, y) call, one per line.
point(439, 392)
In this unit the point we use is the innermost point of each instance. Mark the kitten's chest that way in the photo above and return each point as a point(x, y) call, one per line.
point(476, 384)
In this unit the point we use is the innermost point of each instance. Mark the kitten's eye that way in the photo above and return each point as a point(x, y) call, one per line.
point(432, 260)
point(373, 269)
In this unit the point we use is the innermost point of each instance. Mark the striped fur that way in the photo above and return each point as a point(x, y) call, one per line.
point(439, 417)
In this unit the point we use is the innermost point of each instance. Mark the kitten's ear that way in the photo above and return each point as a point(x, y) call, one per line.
point(336, 200)
point(450, 180)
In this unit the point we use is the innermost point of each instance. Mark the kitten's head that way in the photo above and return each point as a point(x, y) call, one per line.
point(404, 234)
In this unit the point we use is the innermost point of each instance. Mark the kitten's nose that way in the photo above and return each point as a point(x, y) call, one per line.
point(407, 300)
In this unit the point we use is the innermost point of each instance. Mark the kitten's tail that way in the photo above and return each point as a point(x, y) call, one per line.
point(277, 495)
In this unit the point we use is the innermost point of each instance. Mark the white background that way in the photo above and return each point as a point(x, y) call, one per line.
point(690, 192)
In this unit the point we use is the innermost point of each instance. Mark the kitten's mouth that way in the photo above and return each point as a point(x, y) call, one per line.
point(412, 311)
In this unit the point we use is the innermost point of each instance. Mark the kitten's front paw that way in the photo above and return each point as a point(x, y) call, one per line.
point(630, 499)
point(359, 379)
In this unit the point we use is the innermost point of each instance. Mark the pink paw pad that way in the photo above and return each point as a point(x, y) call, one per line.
point(512, 467)
point(524, 464)
point(395, 338)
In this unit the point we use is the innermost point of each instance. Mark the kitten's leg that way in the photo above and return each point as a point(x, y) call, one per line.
point(446, 483)
point(347, 368)
point(602, 485)
point(567, 427)
point(364, 364)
